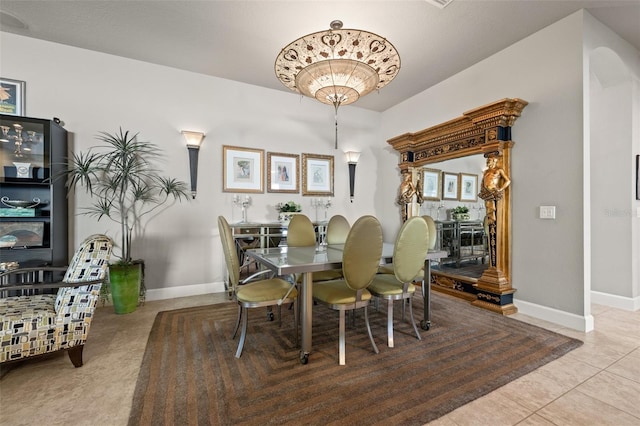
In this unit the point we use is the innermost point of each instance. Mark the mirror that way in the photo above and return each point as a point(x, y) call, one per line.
point(462, 236)
point(483, 133)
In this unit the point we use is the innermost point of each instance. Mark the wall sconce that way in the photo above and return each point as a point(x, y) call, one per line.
point(352, 160)
point(194, 139)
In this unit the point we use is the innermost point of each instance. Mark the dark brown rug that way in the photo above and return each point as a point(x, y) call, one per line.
point(189, 374)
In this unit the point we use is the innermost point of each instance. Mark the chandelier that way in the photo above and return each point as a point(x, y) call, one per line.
point(337, 67)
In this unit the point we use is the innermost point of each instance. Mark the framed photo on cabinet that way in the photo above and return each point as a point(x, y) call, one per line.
point(431, 188)
point(12, 97)
point(449, 186)
point(282, 172)
point(468, 187)
point(317, 175)
point(242, 169)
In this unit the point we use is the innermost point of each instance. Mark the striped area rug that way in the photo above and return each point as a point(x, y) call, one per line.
point(189, 374)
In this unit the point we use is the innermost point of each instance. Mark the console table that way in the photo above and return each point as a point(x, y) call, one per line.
point(462, 240)
point(268, 234)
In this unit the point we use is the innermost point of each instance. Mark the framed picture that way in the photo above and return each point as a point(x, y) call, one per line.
point(242, 169)
point(317, 174)
point(468, 187)
point(431, 188)
point(449, 186)
point(12, 96)
point(282, 172)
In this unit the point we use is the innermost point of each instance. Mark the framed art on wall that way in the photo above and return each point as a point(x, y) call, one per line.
point(449, 186)
point(12, 97)
point(282, 172)
point(242, 169)
point(431, 184)
point(317, 174)
point(468, 187)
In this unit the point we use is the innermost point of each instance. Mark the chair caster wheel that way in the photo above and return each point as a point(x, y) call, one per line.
point(304, 358)
point(425, 325)
point(270, 316)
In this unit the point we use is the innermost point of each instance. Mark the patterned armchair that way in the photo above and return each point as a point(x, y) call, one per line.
point(34, 324)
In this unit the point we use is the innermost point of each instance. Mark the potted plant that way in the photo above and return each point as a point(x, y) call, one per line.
point(126, 188)
point(287, 210)
point(460, 213)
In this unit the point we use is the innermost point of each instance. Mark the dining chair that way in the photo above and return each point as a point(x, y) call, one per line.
point(433, 233)
point(261, 293)
point(360, 258)
point(300, 232)
point(409, 252)
point(337, 229)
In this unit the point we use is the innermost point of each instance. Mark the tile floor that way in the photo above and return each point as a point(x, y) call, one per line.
point(596, 384)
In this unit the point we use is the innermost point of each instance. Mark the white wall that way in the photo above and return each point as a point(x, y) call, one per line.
point(544, 69)
point(551, 259)
point(93, 92)
point(613, 102)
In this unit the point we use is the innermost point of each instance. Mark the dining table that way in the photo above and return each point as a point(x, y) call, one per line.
point(284, 261)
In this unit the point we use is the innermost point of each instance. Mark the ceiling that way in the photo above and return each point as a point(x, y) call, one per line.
point(240, 39)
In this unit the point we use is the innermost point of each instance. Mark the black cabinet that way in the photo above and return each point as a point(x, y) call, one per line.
point(33, 205)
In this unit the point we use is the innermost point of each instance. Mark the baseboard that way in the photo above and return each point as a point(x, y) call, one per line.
point(615, 301)
point(185, 290)
point(565, 319)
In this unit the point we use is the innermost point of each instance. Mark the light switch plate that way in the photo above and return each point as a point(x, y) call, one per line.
point(547, 212)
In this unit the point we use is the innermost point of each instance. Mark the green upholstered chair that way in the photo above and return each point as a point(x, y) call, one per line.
point(300, 232)
point(337, 229)
point(409, 252)
point(255, 294)
point(433, 234)
point(360, 259)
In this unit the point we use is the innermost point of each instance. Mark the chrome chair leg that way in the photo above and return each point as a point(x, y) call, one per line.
point(413, 321)
point(296, 319)
point(235, 331)
point(243, 334)
point(390, 322)
point(366, 320)
point(341, 339)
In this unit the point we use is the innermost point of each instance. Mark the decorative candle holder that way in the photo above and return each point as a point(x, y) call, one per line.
point(244, 203)
point(320, 203)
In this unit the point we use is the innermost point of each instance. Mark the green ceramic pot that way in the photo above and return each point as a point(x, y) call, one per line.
point(125, 286)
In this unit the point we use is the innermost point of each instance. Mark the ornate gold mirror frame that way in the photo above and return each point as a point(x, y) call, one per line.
point(485, 130)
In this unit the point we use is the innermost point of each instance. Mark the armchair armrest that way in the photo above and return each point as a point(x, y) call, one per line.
point(33, 278)
point(77, 302)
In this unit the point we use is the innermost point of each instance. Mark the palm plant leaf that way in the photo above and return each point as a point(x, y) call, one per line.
point(125, 186)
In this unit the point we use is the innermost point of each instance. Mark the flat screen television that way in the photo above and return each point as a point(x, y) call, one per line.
point(25, 234)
